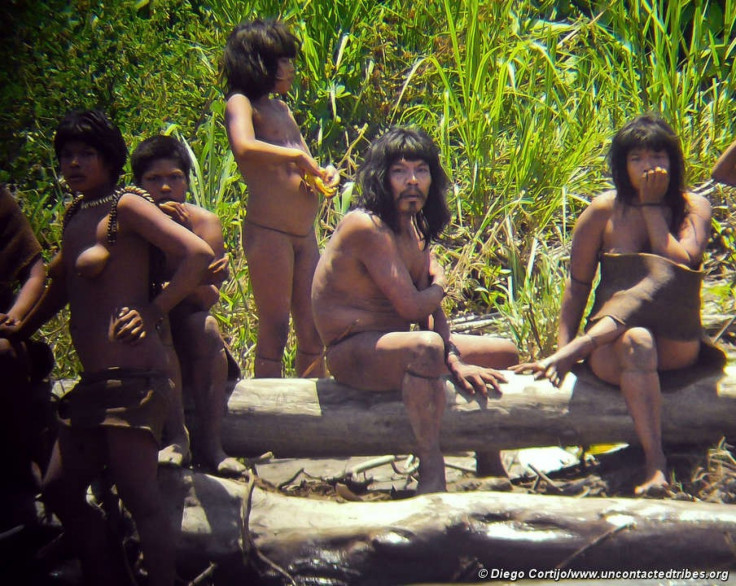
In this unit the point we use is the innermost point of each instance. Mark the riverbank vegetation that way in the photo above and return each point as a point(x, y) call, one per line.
point(522, 97)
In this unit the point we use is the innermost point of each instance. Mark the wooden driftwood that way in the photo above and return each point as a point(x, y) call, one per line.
point(440, 538)
point(315, 418)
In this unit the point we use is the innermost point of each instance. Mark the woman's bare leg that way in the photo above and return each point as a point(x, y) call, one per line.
point(134, 466)
point(309, 357)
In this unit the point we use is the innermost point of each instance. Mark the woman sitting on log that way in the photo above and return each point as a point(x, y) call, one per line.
point(114, 416)
point(648, 236)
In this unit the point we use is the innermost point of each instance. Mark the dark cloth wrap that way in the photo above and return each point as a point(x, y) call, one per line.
point(647, 290)
point(117, 397)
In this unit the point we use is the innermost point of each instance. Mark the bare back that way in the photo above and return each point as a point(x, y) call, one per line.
point(277, 194)
point(363, 271)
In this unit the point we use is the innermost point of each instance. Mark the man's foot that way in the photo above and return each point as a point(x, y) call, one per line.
point(655, 486)
point(431, 474)
point(176, 455)
point(217, 462)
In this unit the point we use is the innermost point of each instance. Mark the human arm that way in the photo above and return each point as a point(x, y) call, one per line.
point(33, 278)
point(249, 150)
point(373, 245)
point(138, 216)
point(52, 299)
point(724, 170)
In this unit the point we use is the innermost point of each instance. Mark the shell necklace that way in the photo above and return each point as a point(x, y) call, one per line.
point(93, 203)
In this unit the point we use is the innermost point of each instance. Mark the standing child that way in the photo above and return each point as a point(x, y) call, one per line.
point(161, 166)
point(279, 239)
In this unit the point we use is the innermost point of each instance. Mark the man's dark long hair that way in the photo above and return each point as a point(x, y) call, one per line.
point(411, 144)
point(649, 132)
point(251, 59)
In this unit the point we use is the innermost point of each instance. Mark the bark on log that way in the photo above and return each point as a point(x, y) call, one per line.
point(315, 418)
point(444, 537)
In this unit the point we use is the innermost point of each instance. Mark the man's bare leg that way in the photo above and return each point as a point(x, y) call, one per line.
point(414, 363)
point(270, 257)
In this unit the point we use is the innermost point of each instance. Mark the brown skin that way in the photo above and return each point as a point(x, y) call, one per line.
point(95, 294)
point(724, 170)
point(370, 286)
point(273, 159)
point(629, 357)
point(196, 336)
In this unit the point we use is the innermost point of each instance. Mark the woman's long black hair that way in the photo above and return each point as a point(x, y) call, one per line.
point(648, 131)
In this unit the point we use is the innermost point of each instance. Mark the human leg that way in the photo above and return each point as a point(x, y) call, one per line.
point(488, 352)
point(176, 451)
point(631, 362)
point(132, 457)
point(76, 459)
point(309, 357)
point(198, 341)
point(414, 363)
point(270, 257)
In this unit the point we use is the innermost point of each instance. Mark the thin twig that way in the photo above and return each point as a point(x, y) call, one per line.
point(566, 562)
point(291, 479)
point(249, 545)
point(547, 479)
point(208, 573)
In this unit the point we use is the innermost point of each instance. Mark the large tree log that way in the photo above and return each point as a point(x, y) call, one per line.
point(297, 417)
point(444, 537)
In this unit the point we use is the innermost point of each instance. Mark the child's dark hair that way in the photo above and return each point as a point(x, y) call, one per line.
point(94, 128)
point(649, 131)
point(252, 54)
point(159, 147)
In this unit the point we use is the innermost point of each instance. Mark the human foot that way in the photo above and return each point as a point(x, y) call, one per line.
point(431, 474)
point(176, 455)
point(655, 486)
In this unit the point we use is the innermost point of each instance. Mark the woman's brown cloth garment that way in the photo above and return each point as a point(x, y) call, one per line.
point(118, 397)
point(647, 290)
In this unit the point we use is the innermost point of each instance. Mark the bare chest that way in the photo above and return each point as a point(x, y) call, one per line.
point(274, 124)
point(416, 259)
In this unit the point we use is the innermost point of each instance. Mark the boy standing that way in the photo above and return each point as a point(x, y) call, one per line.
point(279, 239)
point(161, 166)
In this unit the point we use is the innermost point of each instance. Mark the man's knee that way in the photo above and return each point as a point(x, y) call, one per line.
point(427, 354)
point(638, 350)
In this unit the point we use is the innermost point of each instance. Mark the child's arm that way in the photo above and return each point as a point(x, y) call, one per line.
point(249, 150)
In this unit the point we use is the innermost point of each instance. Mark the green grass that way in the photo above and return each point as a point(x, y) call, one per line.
point(522, 98)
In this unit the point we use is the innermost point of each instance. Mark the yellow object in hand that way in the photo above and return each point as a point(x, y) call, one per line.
point(317, 183)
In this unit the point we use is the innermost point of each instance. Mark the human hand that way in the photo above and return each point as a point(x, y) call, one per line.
point(131, 325)
point(476, 379)
point(8, 326)
point(177, 212)
point(437, 273)
point(550, 369)
point(331, 177)
point(218, 272)
point(653, 186)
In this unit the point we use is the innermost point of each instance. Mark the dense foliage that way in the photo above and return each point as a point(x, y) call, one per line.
point(523, 98)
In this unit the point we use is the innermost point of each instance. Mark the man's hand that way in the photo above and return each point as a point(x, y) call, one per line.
point(437, 273)
point(131, 325)
point(653, 186)
point(177, 212)
point(475, 379)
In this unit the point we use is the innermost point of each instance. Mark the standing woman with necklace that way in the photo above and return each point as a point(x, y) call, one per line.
point(113, 418)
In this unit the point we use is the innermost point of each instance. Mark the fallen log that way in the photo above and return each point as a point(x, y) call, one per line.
point(321, 418)
point(451, 537)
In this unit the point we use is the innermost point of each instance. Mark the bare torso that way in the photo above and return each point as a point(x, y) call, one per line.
point(345, 299)
point(277, 195)
point(94, 297)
